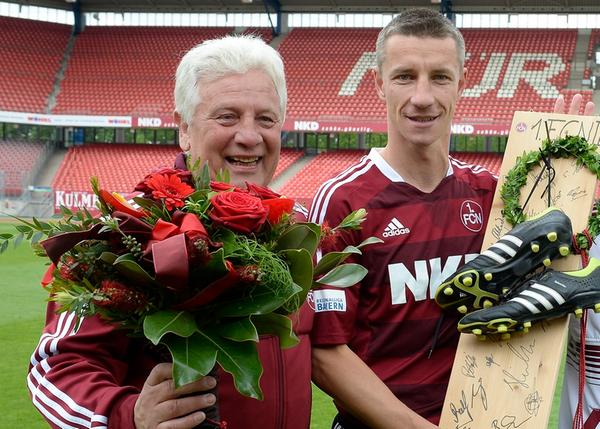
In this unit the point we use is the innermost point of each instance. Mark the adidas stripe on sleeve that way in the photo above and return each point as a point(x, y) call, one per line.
point(66, 379)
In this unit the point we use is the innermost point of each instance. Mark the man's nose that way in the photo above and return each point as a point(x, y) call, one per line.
point(423, 95)
point(248, 133)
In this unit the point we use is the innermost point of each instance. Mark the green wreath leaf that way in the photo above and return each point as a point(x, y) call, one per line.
point(585, 154)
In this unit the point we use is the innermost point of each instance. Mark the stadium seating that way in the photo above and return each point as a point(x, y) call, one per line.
point(324, 166)
point(594, 41)
point(509, 70)
point(29, 64)
point(489, 161)
point(108, 161)
point(17, 160)
point(127, 70)
point(515, 70)
point(264, 33)
point(119, 167)
point(286, 158)
point(327, 73)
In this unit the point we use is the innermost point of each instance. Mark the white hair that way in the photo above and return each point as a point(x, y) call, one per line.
point(217, 58)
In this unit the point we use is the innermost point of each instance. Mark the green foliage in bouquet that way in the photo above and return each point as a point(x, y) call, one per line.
point(201, 267)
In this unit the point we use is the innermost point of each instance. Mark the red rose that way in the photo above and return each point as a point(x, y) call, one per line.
point(261, 192)
point(277, 208)
point(238, 211)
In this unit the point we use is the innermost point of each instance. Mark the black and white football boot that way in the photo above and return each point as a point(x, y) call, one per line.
point(530, 245)
point(546, 296)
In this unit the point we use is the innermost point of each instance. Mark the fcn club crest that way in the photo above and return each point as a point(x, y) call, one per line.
point(471, 215)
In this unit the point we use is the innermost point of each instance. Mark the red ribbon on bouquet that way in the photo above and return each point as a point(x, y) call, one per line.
point(169, 249)
point(212, 291)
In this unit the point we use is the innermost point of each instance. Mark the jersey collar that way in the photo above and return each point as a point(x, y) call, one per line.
point(387, 170)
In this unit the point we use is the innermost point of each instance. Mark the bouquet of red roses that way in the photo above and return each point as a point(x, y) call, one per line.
point(199, 266)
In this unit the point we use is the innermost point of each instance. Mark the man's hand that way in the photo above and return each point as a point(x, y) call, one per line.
point(160, 405)
point(559, 106)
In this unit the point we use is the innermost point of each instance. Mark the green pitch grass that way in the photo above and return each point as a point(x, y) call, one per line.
point(22, 314)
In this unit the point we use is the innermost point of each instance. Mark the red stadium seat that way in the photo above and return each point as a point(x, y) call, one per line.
point(29, 64)
point(305, 183)
point(119, 167)
point(17, 161)
point(127, 70)
point(327, 77)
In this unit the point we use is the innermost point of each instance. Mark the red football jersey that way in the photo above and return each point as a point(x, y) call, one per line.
point(389, 320)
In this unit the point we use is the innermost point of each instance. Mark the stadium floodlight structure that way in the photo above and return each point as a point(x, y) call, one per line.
point(318, 6)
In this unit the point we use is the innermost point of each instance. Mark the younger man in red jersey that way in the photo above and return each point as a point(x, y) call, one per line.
point(382, 349)
point(372, 351)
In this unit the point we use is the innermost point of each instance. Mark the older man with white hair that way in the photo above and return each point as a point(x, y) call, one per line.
point(230, 98)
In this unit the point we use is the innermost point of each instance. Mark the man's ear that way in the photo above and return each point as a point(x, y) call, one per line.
point(462, 83)
point(378, 80)
point(184, 138)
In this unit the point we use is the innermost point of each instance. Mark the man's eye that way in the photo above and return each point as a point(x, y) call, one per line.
point(441, 77)
point(226, 118)
point(403, 77)
point(267, 121)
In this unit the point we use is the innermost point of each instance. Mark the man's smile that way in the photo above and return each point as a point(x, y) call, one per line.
point(243, 161)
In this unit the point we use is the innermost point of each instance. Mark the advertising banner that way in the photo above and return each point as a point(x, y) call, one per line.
point(374, 126)
point(65, 120)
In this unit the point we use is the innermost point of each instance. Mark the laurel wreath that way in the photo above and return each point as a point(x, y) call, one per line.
point(585, 154)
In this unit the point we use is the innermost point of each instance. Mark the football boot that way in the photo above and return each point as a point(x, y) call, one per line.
point(548, 295)
point(530, 245)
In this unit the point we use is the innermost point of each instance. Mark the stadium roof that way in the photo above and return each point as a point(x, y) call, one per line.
point(335, 6)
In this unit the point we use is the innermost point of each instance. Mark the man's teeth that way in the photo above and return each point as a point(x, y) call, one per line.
point(423, 118)
point(244, 160)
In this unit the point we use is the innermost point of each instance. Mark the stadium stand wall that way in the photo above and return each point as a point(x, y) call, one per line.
point(127, 70)
point(508, 70)
point(29, 64)
point(119, 167)
point(19, 162)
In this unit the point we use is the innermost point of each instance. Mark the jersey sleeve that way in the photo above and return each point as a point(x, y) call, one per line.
point(77, 378)
point(335, 308)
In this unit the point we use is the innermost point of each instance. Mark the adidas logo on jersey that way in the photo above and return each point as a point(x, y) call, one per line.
point(395, 228)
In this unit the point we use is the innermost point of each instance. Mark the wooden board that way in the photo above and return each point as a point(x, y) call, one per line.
point(510, 384)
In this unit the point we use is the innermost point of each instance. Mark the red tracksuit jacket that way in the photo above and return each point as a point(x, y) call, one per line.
point(92, 378)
